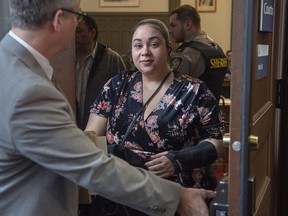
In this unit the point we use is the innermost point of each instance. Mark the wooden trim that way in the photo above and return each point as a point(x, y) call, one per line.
point(128, 14)
point(235, 110)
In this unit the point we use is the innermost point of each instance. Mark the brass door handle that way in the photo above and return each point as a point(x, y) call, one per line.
point(253, 141)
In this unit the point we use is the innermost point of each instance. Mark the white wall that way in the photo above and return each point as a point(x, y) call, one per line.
point(216, 24)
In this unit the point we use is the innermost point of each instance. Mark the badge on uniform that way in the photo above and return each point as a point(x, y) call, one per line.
point(176, 62)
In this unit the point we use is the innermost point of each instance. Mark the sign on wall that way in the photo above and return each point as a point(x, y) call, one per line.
point(266, 15)
point(262, 65)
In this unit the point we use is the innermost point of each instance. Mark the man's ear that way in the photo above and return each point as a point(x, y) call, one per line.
point(57, 20)
point(188, 24)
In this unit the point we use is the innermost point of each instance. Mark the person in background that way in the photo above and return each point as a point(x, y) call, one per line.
point(96, 63)
point(170, 121)
point(44, 155)
point(198, 55)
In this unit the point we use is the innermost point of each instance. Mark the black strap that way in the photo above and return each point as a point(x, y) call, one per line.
point(143, 108)
point(101, 49)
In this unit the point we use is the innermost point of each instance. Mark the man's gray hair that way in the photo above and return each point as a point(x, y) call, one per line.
point(32, 14)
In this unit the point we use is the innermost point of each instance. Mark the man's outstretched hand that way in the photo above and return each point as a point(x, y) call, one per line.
point(192, 202)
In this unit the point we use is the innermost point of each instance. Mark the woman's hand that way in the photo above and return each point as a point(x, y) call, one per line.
point(160, 165)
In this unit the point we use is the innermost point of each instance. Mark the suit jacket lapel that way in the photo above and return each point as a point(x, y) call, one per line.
point(14, 47)
point(24, 55)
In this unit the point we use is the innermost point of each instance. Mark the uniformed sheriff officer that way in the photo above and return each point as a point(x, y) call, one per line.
point(198, 55)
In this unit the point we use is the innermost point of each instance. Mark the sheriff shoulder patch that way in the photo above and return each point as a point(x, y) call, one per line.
point(176, 62)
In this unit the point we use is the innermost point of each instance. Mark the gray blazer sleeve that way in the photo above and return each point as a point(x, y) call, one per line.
point(44, 132)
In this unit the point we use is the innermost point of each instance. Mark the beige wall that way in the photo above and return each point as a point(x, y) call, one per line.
point(144, 6)
point(217, 24)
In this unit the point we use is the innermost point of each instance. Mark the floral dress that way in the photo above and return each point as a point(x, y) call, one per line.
point(186, 114)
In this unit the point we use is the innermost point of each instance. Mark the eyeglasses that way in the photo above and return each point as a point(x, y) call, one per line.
point(80, 14)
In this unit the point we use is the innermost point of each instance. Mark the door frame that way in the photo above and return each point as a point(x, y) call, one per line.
point(238, 9)
point(279, 68)
point(281, 152)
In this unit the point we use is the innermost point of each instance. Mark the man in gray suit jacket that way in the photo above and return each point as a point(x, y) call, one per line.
point(43, 155)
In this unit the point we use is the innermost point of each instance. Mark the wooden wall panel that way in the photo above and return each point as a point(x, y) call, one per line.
point(115, 29)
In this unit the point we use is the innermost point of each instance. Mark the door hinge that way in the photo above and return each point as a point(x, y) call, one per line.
point(279, 94)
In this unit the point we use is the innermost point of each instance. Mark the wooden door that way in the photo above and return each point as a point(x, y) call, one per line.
point(252, 113)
